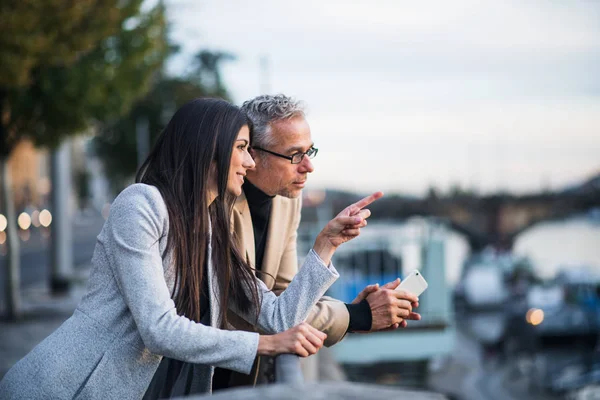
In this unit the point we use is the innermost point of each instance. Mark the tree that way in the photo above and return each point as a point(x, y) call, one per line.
point(115, 144)
point(208, 72)
point(64, 66)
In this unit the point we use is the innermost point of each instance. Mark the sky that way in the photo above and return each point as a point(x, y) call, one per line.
point(404, 95)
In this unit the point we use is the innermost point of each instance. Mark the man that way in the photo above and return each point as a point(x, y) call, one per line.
point(267, 215)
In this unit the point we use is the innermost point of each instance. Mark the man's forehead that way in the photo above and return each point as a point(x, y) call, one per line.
point(291, 134)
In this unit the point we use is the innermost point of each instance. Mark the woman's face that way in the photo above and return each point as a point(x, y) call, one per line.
point(240, 162)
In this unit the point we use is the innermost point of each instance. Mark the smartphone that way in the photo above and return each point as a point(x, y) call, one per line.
point(414, 283)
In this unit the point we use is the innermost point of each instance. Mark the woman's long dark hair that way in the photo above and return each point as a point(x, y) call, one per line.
point(197, 141)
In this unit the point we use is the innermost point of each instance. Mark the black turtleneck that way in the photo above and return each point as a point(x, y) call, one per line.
point(260, 210)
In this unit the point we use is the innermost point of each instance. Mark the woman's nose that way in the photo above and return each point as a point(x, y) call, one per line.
point(249, 161)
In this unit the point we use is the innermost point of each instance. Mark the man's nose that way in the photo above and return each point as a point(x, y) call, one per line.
point(306, 165)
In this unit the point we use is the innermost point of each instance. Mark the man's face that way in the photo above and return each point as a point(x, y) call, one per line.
point(278, 176)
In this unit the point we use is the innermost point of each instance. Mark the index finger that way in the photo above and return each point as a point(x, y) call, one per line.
point(359, 205)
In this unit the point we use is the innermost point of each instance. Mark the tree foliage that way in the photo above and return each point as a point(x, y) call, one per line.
point(64, 65)
point(50, 33)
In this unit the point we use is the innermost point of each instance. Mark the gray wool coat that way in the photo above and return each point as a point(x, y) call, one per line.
point(112, 345)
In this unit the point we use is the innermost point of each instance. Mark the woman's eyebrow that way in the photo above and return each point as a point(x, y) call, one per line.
point(244, 140)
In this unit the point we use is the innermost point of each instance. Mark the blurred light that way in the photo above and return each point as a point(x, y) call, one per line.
point(25, 235)
point(45, 233)
point(35, 218)
point(537, 317)
point(106, 210)
point(534, 316)
point(24, 221)
point(3, 223)
point(45, 218)
point(2, 237)
point(313, 197)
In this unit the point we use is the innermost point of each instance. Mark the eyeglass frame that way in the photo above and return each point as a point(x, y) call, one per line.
point(312, 150)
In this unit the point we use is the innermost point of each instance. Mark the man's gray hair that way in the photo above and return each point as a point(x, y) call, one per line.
point(266, 109)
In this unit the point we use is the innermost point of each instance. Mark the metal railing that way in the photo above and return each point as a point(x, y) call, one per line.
point(287, 369)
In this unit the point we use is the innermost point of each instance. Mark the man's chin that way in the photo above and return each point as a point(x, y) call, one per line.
point(291, 193)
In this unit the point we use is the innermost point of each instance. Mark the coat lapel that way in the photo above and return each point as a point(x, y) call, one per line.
point(275, 241)
point(243, 229)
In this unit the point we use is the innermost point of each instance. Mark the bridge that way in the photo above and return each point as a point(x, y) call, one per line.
point(493, 220)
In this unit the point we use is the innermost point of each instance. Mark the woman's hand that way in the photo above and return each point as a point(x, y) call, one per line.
point(303, 340)
point(344, 227)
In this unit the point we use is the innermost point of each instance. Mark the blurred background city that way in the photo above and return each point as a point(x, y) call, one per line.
point(480, 120)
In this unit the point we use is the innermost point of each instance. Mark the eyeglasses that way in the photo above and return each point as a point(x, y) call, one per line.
point(295, 158)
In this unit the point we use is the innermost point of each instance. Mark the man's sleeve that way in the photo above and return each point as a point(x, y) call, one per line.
point(330, 316)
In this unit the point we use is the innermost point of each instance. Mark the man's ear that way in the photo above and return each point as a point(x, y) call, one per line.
point(252, 153)
point(256, 156)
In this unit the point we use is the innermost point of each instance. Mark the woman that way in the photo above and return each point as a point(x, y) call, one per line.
point(165, 272)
